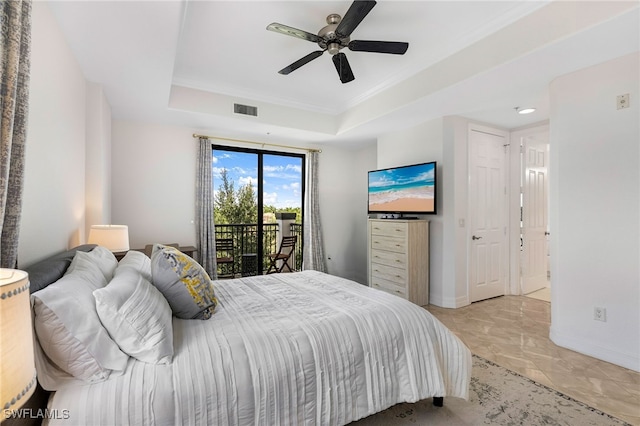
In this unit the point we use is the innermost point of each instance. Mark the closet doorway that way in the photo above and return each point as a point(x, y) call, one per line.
point(534, 213)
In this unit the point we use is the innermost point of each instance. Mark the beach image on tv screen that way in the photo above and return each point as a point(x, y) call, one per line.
point(403, 189)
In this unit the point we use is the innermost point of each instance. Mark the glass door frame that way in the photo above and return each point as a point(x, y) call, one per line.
point(260, 190)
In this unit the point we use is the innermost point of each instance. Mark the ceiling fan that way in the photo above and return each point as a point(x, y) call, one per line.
point(335, 37)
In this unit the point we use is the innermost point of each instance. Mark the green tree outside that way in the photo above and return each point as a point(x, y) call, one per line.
point(240, 206)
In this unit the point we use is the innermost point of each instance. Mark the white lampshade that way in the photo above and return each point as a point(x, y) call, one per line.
point(113, 237)
point(17, 367)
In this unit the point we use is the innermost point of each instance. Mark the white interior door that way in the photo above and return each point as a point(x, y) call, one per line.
point(535, 186)
point(487, 215)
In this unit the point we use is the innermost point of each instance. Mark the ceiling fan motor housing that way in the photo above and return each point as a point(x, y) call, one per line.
point(330, 40)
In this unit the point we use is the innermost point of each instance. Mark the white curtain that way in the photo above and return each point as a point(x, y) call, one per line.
point(15, 65)
point(313, 256)
point(205, 226)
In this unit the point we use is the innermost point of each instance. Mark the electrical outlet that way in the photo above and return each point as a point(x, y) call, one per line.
point(623, 101)
point(600, 313)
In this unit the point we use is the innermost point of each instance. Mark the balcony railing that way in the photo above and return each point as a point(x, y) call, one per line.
point(245, 247)
point(296, 229)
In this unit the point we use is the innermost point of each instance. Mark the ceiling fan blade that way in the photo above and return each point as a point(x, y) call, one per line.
point(293, 32)
point(300, 62)
point(393, 47)
point(353, 17)
point(343, 67)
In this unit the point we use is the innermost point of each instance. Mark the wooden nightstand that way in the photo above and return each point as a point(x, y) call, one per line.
point(188, 250)
point(119, 255)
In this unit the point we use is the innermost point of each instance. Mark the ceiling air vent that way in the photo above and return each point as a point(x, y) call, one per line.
point(245, 109)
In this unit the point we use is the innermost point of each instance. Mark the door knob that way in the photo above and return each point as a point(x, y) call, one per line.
point(476, 238)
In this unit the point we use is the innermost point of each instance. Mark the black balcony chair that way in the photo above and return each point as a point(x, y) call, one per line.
point(284, 253)
point(224, 256)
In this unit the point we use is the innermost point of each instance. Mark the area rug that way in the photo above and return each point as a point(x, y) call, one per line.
point(497, 396)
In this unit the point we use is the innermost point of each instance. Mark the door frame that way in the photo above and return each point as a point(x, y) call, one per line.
point(260, 153)
point(515, 285)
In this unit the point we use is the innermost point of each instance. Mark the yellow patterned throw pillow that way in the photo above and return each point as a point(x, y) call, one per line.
point(183, 282)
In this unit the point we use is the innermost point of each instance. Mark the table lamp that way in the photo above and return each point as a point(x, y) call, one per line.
point(113, 237)
point(17, 367)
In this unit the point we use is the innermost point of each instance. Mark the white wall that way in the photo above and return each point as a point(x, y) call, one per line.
point(342, 178)
point(419, 144)
point(98, 158)
point(153, 182)
point(53, 213)
point(455, 287)
point(594, 215)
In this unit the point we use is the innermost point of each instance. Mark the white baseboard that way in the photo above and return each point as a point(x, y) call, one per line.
point(625, 360)
point(449, 302)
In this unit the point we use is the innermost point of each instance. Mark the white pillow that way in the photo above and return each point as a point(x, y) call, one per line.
point(68, 329)
point(137, 316)
point(137, 261)
point(100, 257)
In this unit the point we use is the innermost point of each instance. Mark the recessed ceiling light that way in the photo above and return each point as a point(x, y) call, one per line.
point(524, 110)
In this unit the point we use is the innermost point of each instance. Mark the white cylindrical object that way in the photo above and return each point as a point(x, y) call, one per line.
point(17, 366)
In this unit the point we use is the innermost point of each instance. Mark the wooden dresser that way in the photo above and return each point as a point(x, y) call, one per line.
point(398, 258)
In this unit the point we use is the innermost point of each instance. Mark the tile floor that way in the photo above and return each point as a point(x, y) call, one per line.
point(513, 331)
point(542, 294)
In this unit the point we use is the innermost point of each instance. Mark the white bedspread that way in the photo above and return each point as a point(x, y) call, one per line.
point(283, 349)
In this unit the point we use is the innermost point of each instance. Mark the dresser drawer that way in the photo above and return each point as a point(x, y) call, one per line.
point(389, 258)
point(389, 228)
point(389, 287)
point(388, 273)
point(394, 244)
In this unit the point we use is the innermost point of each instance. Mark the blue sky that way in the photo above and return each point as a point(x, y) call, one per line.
point(422, 173)
point(282, 175)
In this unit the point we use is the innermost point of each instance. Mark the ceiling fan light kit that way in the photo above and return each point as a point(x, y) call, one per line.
point(335, 36)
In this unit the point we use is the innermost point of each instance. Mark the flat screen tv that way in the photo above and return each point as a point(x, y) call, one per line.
point(406, 189)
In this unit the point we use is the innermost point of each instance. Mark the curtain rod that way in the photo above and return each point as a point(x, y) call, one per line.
point(263, 144)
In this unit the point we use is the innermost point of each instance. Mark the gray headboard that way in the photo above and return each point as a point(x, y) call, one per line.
point(51, 269)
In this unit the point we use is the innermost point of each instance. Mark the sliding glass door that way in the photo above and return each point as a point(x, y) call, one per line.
point(258, 200)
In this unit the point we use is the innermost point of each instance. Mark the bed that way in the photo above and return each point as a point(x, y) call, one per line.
point(281, 349)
